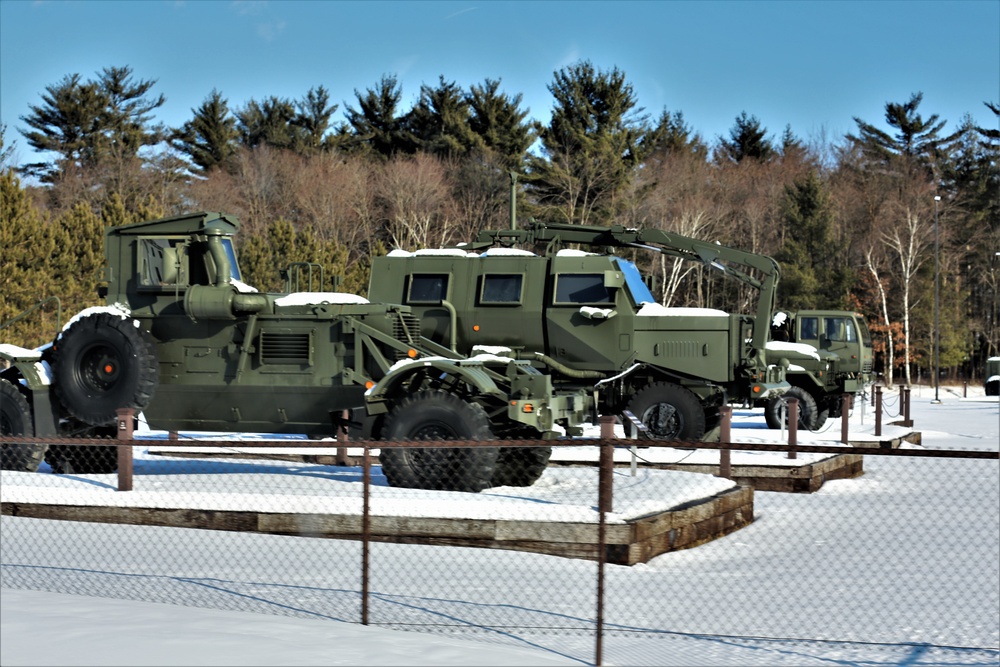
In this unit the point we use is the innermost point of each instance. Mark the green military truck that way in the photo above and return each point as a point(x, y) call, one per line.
point(589, 322)
point(185, 341)
point(827, 353)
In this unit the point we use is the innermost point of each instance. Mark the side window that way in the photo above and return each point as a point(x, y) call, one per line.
point(808, 328)
point(840, 329)
point(501, 288)
point(162, 262)
point(428, 288)
point(579, 288)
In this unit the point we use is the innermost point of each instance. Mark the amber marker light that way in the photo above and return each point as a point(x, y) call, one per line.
point(528, 407)
point(475, 327)
point(757, 389)
point(369, 384)
point(411, 353)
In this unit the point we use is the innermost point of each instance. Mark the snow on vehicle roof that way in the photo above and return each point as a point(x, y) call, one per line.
point(571, 252)
point(508, 252)
point(444, 252)
point(319, 299)
point(801, 348)
point(650, 309)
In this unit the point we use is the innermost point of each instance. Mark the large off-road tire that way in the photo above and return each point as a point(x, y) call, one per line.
point(520, 466)
point(992, 388)
point(669, 411)
point(103, 363)
point(15, 419)
point(437, 415)
point(808, 412)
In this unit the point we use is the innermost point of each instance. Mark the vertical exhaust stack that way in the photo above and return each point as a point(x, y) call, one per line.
point(513, 200)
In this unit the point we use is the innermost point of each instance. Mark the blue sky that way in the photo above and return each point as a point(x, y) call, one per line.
point(813, 65)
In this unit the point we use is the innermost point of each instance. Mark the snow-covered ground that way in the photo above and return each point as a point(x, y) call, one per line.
point(899, 566)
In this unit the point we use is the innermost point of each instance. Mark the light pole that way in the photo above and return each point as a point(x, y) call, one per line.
point(937, 280)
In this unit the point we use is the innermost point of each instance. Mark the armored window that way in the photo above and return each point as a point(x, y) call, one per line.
point(808, 328)
point(428, 288)
point(578, 288)
point(502, 288)
point(162, 262)
point(840, 329)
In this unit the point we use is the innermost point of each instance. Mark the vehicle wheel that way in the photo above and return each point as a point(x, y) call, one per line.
point(821, 418)
point(993, 388)
point(808, 413)
point(437, 415)
point(103, 363)
point(520, 466)
point(669, 411)
point(15, 419)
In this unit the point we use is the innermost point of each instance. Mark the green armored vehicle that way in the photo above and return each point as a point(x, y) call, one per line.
point(827, 353)
point(588, 321)
point(186, 342)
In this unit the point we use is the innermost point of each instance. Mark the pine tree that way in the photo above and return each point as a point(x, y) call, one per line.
point(89, 124)
point(591, 144)
point(377, 125)
point(26, 248)
point(747, 140)
point(312, 120)
point(268, 122)
point(210, 137)
point(916, 142)
point(813, 274)
point(672, 136)
point(439, 122)
point(501, 125)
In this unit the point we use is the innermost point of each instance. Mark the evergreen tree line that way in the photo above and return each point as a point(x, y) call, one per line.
point(865, 221)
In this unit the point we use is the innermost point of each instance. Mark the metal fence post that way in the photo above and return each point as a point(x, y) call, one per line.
point(125, 429)
point(878, 410)
point(845, 409)
point(604, 504)
point(906, 406)
point(366, 529)
point(726, 436)
point(793, 426)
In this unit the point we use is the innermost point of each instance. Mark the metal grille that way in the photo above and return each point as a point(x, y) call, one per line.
point(285, 348)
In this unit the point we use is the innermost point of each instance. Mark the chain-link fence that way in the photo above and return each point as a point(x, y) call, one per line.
point(898, 565)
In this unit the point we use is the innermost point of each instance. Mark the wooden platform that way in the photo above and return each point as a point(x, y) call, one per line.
point(635, 541)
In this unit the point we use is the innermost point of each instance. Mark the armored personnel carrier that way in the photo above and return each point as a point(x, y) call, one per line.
point(585, 318)
point(185, 341)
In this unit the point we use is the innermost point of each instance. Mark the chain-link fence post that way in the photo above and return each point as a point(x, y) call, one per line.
point(125, 429)
point(906, 407)
point(604, 505)
point(878, 410)
point(793, 426)
point(845, 415)
point(726, 436)
point(366, 528)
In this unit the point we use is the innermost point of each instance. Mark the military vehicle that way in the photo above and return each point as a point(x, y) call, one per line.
point(827, 353)
point(992, 381)
point(186, 342)
point(588, 320)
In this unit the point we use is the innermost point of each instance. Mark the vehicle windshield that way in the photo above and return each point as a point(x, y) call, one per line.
point(234, 267)
point(866, 337)
point(634, 283)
